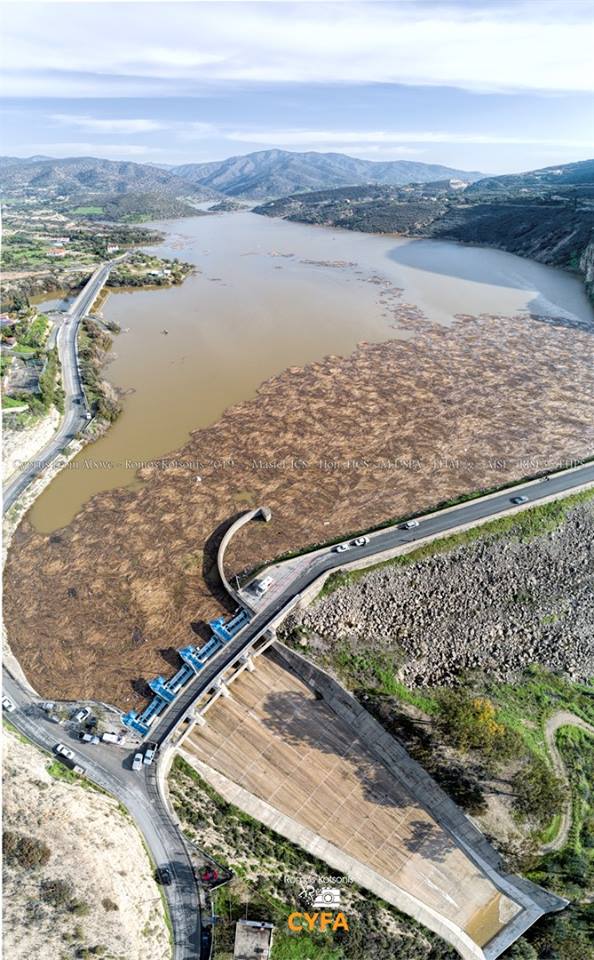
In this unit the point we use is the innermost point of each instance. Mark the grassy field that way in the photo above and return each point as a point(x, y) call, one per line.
point(301, 947)
point(88, 210)
point(525, 706)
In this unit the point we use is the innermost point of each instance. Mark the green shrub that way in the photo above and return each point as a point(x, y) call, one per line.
point(58, 893)
point(538, 792)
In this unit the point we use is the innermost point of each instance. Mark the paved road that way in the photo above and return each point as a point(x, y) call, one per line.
point(328, 559)
point(74, 418)
point(110, 767)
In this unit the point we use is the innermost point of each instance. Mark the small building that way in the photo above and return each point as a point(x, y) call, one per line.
point(56, 252)
point(112, 248)
point(253, 940)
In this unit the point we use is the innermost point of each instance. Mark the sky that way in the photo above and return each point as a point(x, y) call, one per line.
point(491, 85)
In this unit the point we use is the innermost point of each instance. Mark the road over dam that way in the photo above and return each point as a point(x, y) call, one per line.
point(326, 560)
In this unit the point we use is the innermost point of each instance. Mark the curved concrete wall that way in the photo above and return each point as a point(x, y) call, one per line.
point(263, 512)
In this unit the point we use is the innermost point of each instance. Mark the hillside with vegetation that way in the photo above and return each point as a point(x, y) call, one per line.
point(103, 189)
point(77, 881)
point(546, 215)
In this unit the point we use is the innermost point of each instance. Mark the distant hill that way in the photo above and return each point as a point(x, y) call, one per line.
point(276, 173)
point(545, 180)
point(120, 189)
point(547, 215)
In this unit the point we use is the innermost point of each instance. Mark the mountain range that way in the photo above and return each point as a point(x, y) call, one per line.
point(173, 191)
point(276, 173)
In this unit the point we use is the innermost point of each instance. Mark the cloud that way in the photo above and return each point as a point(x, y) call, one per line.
point(330, 138)
point(112, 48)
point(99, 125)
point(106, 151)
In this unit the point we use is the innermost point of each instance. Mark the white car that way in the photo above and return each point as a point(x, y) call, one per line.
point(522, 499)
point(8, 705)
point(410, 524)
point(82, 715)
point(262, 586)
point(360, 542)
point(64, 751)
point(341, 547)
point(89, 738)
point(137, 762)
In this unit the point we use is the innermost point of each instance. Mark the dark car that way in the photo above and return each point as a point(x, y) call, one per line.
point(163, 876)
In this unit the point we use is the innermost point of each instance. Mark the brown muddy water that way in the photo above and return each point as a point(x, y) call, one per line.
point(268, 295)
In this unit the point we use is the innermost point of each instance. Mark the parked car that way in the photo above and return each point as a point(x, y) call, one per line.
point(64, 751)
point(360, 542)
point(149, 753)
point(410, 524)
point(8, 705)
point(137, 762)
point(113, 738)
point(522, 499)
point(89, 738)
point(73, 765)
point(341, 547)
point(163, 876)
point(82, 715)
point(263, 586)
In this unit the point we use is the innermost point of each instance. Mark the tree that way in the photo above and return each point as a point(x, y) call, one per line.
point(520, 950)
point(539, 794)
point(472, 723)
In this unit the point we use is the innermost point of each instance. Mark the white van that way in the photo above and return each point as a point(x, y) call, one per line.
point(262, 586)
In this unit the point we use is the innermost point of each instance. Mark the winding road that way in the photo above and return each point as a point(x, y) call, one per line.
point(110, 767)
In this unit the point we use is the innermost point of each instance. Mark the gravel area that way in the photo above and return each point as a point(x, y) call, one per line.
point(496, 605)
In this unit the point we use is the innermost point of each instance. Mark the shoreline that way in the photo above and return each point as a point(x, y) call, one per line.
point(566, 269)
point(99, 303)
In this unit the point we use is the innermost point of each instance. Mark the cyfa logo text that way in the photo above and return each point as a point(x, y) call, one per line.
point(322, 921)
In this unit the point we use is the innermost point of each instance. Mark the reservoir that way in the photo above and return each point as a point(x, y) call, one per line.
point(268, 294)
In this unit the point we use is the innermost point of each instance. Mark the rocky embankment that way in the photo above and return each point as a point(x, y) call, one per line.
point(495, 606)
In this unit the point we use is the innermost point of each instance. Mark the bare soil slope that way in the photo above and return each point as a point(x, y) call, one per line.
point(96, 889)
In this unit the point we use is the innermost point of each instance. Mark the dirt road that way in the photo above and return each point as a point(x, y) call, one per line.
point(562, 719)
